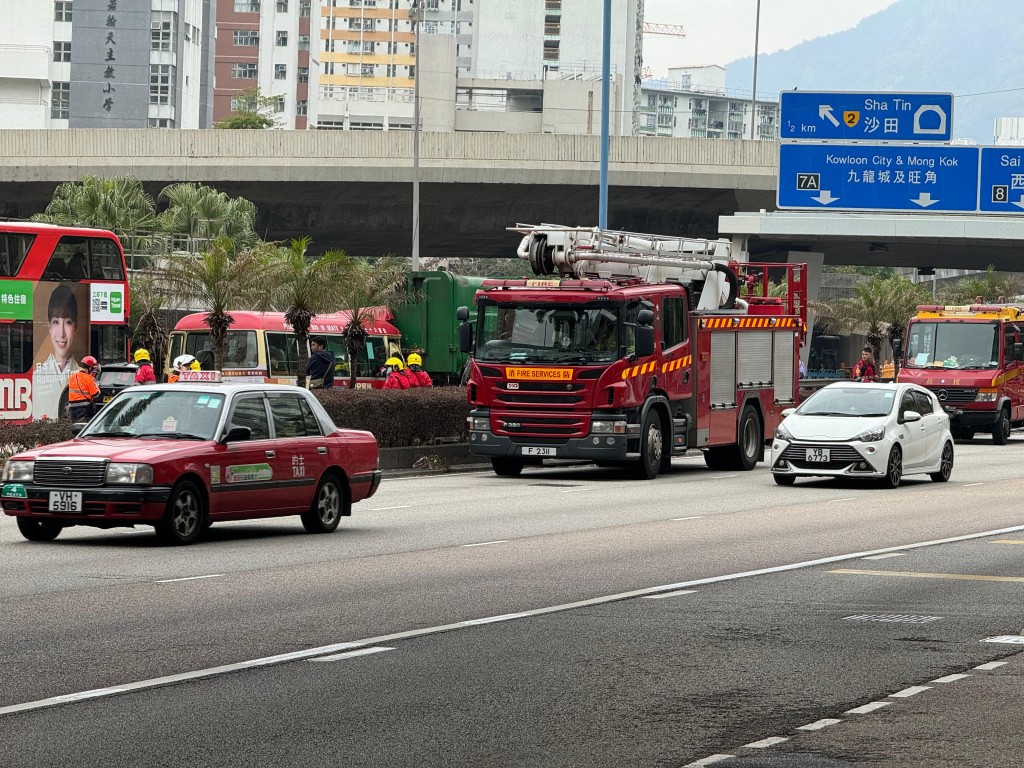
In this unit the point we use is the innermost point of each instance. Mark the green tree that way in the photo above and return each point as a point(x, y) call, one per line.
point(252, 111)
point(146, 327)
point(222, 278)
point(362, 286)
point(304, 286)
point(990, 286)
point(201, 214)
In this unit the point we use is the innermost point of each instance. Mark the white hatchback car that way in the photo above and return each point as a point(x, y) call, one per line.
point(882, 431)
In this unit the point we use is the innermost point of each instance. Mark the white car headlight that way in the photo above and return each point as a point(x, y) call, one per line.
point(872, 435)
point(129, 474)
point(781, 433)
point(478, 423)
point(607, 427)
point(17, 472)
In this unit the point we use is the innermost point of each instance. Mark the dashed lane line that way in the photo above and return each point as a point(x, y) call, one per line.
point(663, 595)
point(817, 725)
point(771, 741)
point(992, 665)
point(388, 509)
point(913, 690)
point(709, 760)
point(950, 678)
point(190, 578)
point(863, 710)
point(486, 543)
point(352, 654)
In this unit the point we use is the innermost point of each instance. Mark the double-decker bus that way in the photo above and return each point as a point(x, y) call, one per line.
point(63, 295)
point(261, 346)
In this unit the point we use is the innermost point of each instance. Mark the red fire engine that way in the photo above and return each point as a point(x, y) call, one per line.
point(972, 357)
point(637, 348)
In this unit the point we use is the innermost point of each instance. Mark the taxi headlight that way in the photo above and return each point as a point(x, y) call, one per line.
point(129, 474)
point(781, 433)
point(478, 423)
point(607, 427)
point(872, 435)
point(986, 396)
point(17, 472)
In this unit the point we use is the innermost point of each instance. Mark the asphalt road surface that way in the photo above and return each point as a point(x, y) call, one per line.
point(568, 617)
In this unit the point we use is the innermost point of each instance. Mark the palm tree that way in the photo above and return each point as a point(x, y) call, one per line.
point(201, 214)
point(990, 286)
point(223, 277)
point(362, 286)
point(305, 287)
point(147, 328)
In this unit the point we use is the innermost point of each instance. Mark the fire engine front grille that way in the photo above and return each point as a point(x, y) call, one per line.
point(539, 398)
point(522, 425)
point(958, 396)
point(840, 455)
point(539, 393)
point(69, 474)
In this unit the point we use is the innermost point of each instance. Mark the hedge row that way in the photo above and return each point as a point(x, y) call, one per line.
point(21, 437)
point(401, 417)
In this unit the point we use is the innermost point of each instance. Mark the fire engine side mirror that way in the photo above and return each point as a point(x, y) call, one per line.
point(897, 349)
point(462, 314)
point(465, 332)
point(644, 338)
point(1018, 351)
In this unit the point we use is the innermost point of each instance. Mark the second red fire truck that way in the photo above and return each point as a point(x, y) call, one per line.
point(631, 349)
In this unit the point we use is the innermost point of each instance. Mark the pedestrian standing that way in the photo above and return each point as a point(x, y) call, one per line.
point(83, 394)
point(865, 368)
point(320, 366)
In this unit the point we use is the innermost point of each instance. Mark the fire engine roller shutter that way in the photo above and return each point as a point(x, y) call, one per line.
point(754, 358)
point(784, 366)
point(723, 369)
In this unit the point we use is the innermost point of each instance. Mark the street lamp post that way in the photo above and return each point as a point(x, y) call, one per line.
point(606, 44)
point(415, 17)
point(753, 87)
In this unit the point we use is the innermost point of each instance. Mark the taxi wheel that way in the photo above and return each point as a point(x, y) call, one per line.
point(182, 522)
point(39, 530)
point(327, 508)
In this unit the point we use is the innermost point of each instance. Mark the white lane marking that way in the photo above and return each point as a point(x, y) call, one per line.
point(670, 594)
point(969, 485)
point(576, 490)
point(352, 654)
point(885, 556)
point(388, 509)
point(190, 578)
point(764, 743)
point(867, 708)
point(817, 725)
point(492, 619)
point(486, 543)
point(992, 665)
point(691, 517)
point(1013, 639)
point(720, 477)
point(848, 498)
point(913, 690)
point(706, 761)
point(408, 634)
point(950, 678)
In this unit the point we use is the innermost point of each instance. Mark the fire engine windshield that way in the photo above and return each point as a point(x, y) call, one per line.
point(956, 345)
point(578, 333)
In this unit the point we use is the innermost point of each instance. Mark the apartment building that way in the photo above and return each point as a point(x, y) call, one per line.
point(269, 45)
point(106, 63)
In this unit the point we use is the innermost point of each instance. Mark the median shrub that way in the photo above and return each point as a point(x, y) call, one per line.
point(401, 417)
point(21, 437)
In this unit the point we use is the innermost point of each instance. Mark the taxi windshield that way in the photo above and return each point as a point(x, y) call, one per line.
point(161, 414)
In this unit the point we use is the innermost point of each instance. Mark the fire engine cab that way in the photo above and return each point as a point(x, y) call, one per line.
point(629, 349)
point(972, 357)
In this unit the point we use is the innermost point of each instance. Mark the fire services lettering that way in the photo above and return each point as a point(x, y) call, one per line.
point(15, 399)
point(539, 374)
point(247, 473)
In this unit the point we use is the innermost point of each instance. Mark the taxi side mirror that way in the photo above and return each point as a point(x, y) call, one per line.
point(235, 435)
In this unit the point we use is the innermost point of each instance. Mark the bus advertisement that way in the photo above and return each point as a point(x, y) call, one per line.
point(63, 295)
point(261, 346)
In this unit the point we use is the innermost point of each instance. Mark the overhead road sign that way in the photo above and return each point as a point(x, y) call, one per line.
point(1002, 180)
point(884, 177)
point(845, 116)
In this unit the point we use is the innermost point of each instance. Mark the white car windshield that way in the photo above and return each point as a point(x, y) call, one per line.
point(183, 414)
point(860, 401)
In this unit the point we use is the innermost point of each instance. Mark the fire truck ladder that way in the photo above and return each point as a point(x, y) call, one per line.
point(590, 252)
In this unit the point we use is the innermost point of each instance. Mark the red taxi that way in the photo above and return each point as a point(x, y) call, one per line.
point(182, 456)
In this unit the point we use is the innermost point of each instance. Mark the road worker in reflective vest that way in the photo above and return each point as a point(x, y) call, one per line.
point(83, 394)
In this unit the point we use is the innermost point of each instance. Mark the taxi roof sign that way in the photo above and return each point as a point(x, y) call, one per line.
point(206, 377)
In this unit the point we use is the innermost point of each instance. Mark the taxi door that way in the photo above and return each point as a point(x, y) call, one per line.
point(248, 473)
point(301, 450)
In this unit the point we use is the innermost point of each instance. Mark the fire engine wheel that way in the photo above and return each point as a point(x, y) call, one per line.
point(946, 467)
point(1001, 430)
point(652, 445)
point(894, 468)
point(39, 530)
point(750, 441)
point(182, 522)
point(505, 467)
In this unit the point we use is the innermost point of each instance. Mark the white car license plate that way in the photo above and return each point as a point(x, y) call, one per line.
point(818, 454)
point(65, 501)
point(532, 450)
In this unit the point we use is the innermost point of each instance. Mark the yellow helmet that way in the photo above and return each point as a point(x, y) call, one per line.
point(195, 366)
point(414, 359)
point(395, 363)
point(141, 354)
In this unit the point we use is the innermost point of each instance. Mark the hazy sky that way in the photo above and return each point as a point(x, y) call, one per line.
point(720, 31)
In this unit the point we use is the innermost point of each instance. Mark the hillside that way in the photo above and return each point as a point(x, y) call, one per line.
point(971, 50)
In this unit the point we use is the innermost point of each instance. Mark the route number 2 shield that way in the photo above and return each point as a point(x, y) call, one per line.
point(851, 117)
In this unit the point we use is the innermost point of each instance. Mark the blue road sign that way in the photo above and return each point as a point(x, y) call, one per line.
point(822, 116)
point(883, 177)
point(1002, 180)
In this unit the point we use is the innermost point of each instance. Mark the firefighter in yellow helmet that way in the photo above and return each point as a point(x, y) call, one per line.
point(396, 378)
point(417, 376)
point(144, 374)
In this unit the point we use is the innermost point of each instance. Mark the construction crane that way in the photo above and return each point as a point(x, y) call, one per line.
point(672, 30)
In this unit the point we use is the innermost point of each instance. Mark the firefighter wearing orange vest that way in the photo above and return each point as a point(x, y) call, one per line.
point(83, 393)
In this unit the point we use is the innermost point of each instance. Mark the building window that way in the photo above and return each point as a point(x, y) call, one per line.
point(366, 70)
point(282, 6)
point(247, 6)
point(282, 38)
point(303, 42)
point(160, 35)
point(301, 107)
point(160, 78)
point(244, 71)
point(304, 7)
point(60, 101)
point(246, 37)
point(303, 74)
point(279, 104)
point(62, 10)
point(161, 122)
point(280, 71)
point(61, 51)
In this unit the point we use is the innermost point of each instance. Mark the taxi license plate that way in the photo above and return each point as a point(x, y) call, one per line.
point(65, 501)
point(530, 450)
point(818, 454)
